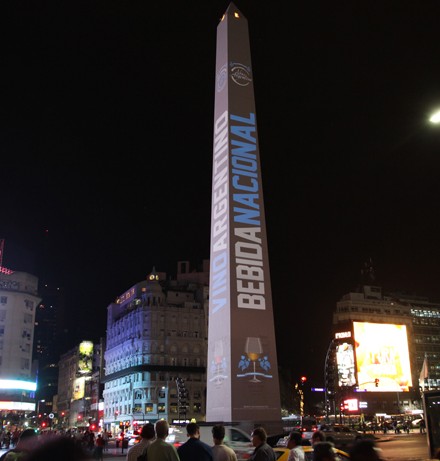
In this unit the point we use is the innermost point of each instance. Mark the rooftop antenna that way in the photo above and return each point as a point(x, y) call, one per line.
point(367, 272)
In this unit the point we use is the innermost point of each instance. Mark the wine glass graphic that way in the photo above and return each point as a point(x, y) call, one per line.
point(253, 349)
point(218, 354)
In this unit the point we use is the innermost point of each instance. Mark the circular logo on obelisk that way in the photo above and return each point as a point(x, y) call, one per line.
point(221, 78)
point(241, 74)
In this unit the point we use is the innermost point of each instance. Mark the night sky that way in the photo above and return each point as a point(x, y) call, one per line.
point(106, 150)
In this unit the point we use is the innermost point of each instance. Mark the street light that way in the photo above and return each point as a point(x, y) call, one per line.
point(435, 117)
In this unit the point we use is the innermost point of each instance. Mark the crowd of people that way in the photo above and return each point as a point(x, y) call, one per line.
point(25, 444)
point(28, 446)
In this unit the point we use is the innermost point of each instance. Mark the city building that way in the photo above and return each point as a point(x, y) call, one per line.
point(47, 343)
point(155, 357)
point(18, 303)
point(417, 318)
point(78, 402)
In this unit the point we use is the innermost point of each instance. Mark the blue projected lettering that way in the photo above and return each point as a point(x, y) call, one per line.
point(246, 198)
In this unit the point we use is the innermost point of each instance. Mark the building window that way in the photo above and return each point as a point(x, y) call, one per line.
point(197, 407)
point(161, 408)
point(27, 318)
point(3, 299)
point(173, 408)
point(148, 408)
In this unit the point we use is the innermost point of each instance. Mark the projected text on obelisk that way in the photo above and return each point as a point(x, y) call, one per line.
point(242, 363)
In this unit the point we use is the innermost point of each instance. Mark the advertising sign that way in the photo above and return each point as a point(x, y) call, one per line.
point(346, 365)
point(85, 357)
point(78, 388)
point(382, 357)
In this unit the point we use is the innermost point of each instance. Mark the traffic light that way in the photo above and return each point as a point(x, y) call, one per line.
point(303, 379)
point(376, 382)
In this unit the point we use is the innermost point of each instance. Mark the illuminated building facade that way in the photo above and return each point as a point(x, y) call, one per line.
point(18, 303)
point(411, 325)
point(156, 347)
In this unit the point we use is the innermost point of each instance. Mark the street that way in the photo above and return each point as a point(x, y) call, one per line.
point(404, 447)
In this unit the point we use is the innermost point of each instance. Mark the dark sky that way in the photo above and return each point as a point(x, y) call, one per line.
point(106, 149)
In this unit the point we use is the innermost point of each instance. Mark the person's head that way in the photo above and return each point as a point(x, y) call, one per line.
point(317, 436)
point(259, 436)
point(323, 451)
point(59, 447)
point(193, 430)
point(218, 433)
point(162, 429)
point(294, 440)
point(27, 440)
point(364, 450)
point(148, 432)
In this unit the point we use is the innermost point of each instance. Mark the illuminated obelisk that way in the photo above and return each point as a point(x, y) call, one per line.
point(242, 370)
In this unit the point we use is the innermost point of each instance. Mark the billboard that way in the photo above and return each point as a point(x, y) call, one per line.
point(346, 365)
point(382, 357)
point(78, 388)
point(85, 357)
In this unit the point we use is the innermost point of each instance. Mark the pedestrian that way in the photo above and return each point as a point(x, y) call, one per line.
point(99, 448)
point(159, 450)
point(323, 451)
point(294, 444)
point(317, 436)
point(147, 436)
point(194, 448)
point(364, 450)
point(27, 441)
point(422, 426)
point(263, 451)
point(105, 438)
point(221, 452)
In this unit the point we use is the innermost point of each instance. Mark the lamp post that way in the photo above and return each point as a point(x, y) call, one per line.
point(435, 117)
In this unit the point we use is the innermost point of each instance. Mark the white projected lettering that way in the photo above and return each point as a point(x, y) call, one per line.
point(220, 242)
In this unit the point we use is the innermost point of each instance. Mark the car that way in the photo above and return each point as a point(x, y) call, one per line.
point(415, 423)
point(282, 453)
point(176, 436)
point(133, 437)
point(340, 435)
point(235, 437)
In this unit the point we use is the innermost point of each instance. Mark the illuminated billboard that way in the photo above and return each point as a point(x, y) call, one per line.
point(345, 364)
point(85, 357)
point(78, 388)
point(382, 357)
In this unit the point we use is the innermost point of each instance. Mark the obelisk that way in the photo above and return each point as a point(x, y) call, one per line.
point(242, 370)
